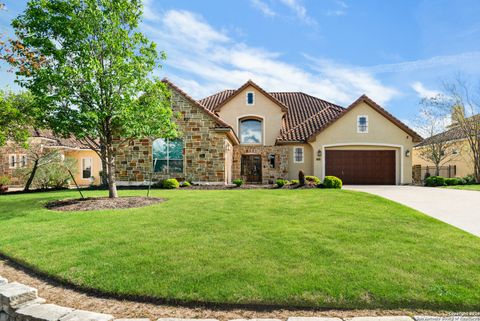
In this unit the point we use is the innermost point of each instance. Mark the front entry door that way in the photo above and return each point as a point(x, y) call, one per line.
point(252, 168)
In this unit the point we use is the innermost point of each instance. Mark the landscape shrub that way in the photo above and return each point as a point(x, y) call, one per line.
point(433, 181)
point(282, 182)
point(332, 182)
point(171, 183)
point(452, 181)
point(312, 179)
point(185, 184)
point(469, 179)
point(55, 174)
point(301, 178)
point(4, 181)
point(294, 182)
point(238, 182)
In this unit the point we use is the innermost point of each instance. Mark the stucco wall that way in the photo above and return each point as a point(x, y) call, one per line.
point(263, 107)
point(306, 166)
point(463, 160)
point(382, 133)
point(96, 166)
point(204, 149)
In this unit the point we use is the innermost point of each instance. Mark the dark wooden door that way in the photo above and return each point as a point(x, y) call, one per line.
point(252, 168)
point(369, 167)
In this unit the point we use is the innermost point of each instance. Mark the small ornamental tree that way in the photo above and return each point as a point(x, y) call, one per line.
point(15, 116)
point(93, 80)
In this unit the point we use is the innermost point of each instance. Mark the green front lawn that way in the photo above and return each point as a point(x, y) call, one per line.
point(466, 187)
point(315, 248)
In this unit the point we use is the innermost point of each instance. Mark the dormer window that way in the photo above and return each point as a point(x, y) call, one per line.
point(362, 124)
point(250, 98)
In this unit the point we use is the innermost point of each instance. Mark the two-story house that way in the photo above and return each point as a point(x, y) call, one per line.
point(261, 136)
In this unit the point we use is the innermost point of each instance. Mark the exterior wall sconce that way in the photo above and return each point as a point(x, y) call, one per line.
point(319, 154)
point(407, 153)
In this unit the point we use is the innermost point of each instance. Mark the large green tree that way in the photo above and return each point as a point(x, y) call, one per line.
point(15, 116)
point(93, 80)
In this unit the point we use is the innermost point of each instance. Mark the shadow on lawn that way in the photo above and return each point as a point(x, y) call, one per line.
point(219, 306)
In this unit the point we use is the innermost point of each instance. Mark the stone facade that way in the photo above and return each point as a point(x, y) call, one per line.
point(269, 174)
point(204, 149)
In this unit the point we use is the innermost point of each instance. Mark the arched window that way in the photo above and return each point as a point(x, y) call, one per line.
point(167, 155)
point(251, 131)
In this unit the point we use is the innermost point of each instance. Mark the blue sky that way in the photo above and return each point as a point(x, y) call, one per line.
point(395, 51)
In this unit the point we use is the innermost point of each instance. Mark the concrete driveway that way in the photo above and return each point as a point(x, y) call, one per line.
point(456, 207)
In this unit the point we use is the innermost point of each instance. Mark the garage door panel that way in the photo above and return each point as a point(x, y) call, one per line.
point(375, 167)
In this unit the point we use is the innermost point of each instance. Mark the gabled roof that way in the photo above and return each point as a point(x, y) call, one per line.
point(415, 137)
point(218, 120)
point(257, 87)
point(303, 117)
point(57, 141)
point(453, 133)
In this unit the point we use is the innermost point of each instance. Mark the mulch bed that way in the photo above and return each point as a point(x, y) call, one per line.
point(101, 203)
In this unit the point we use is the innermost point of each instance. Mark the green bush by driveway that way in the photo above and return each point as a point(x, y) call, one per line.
point(315, 248)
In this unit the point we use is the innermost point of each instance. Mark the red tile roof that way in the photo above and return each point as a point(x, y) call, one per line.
point(304, 115)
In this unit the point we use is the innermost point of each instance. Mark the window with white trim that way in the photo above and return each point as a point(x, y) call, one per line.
point(23, 160)
point(12, 161)
point(250, 98)
point(298, 155)
point(86, 167)
point(362, 124)
point(251, 131)
point(167, 155)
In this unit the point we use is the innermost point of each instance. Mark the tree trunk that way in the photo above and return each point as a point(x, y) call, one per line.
point(31, 177)
point(103, 156)
point(112, 185)
point(437, 170)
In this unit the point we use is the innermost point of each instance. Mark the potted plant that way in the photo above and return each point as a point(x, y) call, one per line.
point(4, 181)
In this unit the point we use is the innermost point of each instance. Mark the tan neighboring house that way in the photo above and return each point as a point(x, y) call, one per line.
point(459, 164)
point(14, 157)
point(262, 136)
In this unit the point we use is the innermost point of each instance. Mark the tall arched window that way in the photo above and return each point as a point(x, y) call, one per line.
point(167, 155)
point(251, 131)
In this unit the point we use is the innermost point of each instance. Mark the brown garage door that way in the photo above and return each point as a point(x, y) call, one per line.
point(372, 167)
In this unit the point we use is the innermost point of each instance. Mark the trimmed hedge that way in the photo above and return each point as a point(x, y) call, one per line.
point(170, 183)
point(433, 181)
point(238, 182)
point(282, 182)
point(185, 184)
point(332, 182)
point(313, 179)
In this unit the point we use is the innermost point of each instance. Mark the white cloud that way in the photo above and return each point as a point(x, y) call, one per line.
point(202, 60)
point(300, 10)
point(341, 9)
point(433, 62)
point(148, 12)
point(424, 92)
point(263, 7)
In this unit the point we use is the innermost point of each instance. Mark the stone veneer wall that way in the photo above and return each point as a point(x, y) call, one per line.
point(204, 149)
point(269, 175)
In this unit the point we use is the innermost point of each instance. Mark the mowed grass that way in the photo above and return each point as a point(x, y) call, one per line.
point(309, 248)
point(475, 187)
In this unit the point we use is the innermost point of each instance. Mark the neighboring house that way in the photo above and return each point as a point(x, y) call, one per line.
point(458, 164)
point(14, 157)
point(261, 136)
